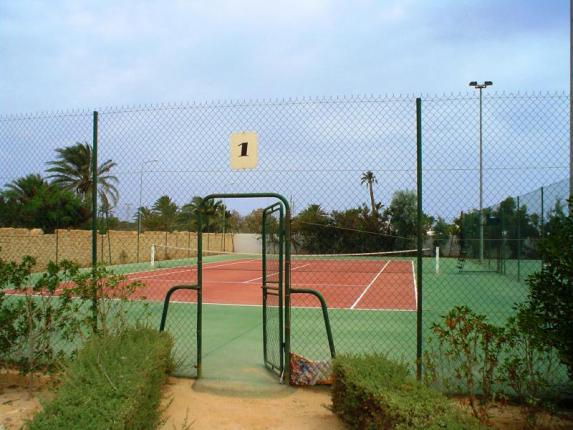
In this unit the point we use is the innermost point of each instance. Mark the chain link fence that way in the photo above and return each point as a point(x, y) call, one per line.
point(348, 168)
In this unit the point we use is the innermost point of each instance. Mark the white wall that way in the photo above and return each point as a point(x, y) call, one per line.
point(247, 242)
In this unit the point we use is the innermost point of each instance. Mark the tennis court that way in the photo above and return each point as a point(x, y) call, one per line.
point(351, 281)
point(371, 301)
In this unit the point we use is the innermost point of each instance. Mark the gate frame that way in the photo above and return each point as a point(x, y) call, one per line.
point(269, 210)
point(287, 268)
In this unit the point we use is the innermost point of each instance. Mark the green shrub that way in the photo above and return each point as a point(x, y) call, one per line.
point(372, 392)
point(35, 316)
point(42, 324)
point(469, 347)
point(550, 298)
point(113, 383)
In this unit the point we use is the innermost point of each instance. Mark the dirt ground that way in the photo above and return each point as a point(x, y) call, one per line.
point(204, 406)
point(229, 405)
point(510, 417)
point(17, 403)
point(201, 404)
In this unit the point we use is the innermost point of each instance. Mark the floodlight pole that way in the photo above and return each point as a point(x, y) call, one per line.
point(480, 87)
point(140, 196)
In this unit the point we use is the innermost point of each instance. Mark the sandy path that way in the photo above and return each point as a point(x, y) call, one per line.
point(17, 403)
point(281, 408)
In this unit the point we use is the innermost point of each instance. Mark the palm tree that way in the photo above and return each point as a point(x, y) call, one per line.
point(208, 209)
point(368, 178)
point(73, 171)
point(25, 188)
point(165, 210)
point(32, 202)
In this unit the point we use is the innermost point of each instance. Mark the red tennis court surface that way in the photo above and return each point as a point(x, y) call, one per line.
point(346, 284)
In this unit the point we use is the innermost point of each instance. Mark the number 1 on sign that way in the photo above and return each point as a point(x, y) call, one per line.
point(243, 150)
point(244, 146)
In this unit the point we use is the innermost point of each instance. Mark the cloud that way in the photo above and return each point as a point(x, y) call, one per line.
point(85, 54)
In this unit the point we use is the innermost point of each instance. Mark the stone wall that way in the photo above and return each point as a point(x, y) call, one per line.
point(115, 247)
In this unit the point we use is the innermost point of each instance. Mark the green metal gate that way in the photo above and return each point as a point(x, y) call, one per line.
point(273, 287)
point(276, 289)
point(276, 280)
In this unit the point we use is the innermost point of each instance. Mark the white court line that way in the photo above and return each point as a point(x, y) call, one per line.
point(191, 270)
point(369, 285)
point(274, 273)
point(415, 285)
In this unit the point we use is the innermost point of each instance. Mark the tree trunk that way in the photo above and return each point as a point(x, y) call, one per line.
point(372, 204)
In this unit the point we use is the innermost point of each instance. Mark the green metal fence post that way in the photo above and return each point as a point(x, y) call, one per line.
point(199, 291)
point(94, 220)
point(287, 290)
point(541, 228)
point(518, 234)
point(542, 210)
point(420, 233)
point(264, 269)
point(281, 283)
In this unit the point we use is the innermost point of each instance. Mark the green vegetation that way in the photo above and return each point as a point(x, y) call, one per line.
point(32, 202)
point(469, 349)
point(369, 179)
point(359, 229)
point(372, 392)
point(73, 171)
point(114, 383)
point(36, 320)
point(46, 316)
point(550, 300)
point(486, 361)
point(507, 226)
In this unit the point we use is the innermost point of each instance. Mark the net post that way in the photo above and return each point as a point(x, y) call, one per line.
point(419, 238)
point(153, 255)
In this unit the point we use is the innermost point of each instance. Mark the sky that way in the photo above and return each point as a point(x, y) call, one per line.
point(63, 55)
point(70, 54)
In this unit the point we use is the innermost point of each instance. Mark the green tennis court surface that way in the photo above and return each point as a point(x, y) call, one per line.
point(232, 334)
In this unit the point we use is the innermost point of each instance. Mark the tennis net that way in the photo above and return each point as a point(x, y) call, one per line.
point(163, 256)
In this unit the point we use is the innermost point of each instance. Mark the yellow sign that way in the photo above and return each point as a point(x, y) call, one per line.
point(244, 150)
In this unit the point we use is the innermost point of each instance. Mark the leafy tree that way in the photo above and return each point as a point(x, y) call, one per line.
point(73, 171)
point(403, 217)
point(506, 229)
point(233, 221)
point(107, 221)
point(442, 232)
point(31, 202)
point(348, 223)
point(252, 222)
point(369, 179)
point(550, 297)
point(357, 230)
point(313, 227)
